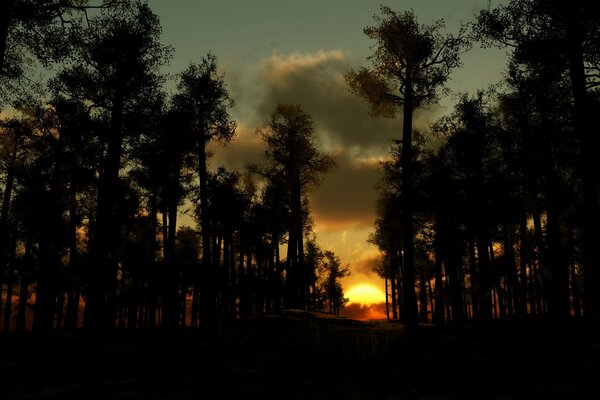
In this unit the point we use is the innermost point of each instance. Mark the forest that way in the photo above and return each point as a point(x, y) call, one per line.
point(490, 214)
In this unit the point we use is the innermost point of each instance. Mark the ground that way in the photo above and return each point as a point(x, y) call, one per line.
point(300, 355)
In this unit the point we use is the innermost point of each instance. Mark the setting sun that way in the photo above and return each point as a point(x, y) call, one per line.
point(365, 294)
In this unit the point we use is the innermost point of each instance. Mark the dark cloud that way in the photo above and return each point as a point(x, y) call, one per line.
point(364, 311)
point(246, 148)
point(316, 81)
point(366, 264)
point(347, 196)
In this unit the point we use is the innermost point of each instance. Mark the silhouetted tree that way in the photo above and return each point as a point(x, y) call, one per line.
point(293, 154)
point(205, 97)
point(115, 71)
point(332, 271)
point(562, 36)
point(410, 63)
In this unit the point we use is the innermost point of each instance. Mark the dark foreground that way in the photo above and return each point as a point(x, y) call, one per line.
point(301, 356)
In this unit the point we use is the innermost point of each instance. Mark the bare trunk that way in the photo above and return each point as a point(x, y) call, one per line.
point(409, 314)
point(589, 143)
point(99, 315)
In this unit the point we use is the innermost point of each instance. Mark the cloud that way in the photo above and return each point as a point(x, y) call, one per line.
point(316, 81)
point(368, 261)
point(246, 148)
point(346, 199)
point(364, 311)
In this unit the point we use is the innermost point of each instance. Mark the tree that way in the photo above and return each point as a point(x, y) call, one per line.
point(293, 155)
point(332, 271)
point(410, 63)
point(40, 28)
point(205, 98)
point(563, 37)
point(115, 70)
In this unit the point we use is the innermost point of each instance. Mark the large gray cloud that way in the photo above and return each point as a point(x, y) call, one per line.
point(347, 196)
point(316, 81)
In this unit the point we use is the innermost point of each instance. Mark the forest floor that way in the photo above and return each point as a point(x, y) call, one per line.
point(301, 355)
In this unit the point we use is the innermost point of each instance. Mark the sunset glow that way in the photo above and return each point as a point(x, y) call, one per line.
point(365, 294)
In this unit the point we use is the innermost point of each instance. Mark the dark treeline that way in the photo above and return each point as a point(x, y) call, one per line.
point(97, 170)
point(493, 213)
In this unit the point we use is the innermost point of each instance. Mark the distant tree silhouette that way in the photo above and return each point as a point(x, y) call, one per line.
point(332, 271)
point(293, 155)
point(410, 63)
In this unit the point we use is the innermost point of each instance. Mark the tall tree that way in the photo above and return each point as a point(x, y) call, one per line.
point(562, 36)
point(410, 63)
point(115, 70)
point(293, 154)
point(203, 94)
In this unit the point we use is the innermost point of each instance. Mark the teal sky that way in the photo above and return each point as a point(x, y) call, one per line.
point(298, 51)
point(245, 31)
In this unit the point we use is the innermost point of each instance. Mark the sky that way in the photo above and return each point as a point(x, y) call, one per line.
point(273, 51)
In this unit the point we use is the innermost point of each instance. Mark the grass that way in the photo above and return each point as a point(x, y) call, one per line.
point(305, 356)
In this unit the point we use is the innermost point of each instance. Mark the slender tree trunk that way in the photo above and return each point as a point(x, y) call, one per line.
point(387, 297)
point(474, 280)
point(10, 281)
point(50, 247)
point(424, 314)
point(485, 280)
point(153, 273)
point(522, 310)
point(454, 280)
point(207, 277)
point(556, 276)
point(572, 270)
point(72, 313)
point(589, 144)
point(438, 315)
point(24, 284)
point(513, 286)
point(99, 315)
point(409, 314)
point(394, 278)
point(4, 228)
point(278, 271)
point(496, 283)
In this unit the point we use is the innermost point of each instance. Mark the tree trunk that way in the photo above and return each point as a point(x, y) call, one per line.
point(153, 273)
point(589, 144)
point(513, 286)
point(474, 280)
point(522, 310)
point(99, 315)
point(572, 267)
point(438, 315)
point(409, 314)
point(24, 284)
point(207, 277)
point(72, 313)
point(424, 313)
point(10, 281)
